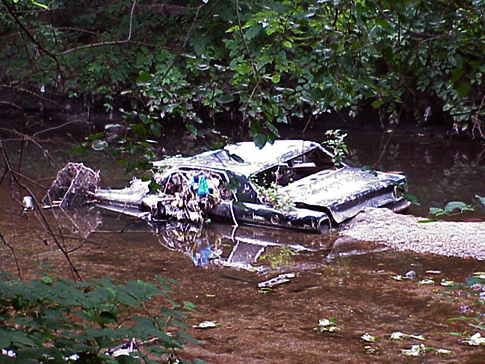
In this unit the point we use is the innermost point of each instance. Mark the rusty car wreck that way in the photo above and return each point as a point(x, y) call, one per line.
point(288, 184)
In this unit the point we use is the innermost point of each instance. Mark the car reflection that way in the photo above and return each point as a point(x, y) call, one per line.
point(217, 245)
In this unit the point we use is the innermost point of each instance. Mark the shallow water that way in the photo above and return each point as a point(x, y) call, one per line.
point(219, 267)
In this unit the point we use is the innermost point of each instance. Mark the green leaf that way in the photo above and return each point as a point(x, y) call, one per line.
point(276, 77)
point(377, 103)
point(260, 140)
point(481, 327)
point(287, 44)
point(436, 211)
point(273, 129)
point(425, 221)
point(225, 99)
point(96, 136)
point(39, 4)
point(411, 198)
point(255, 126)
point(143, 77)
point(81, 149)
point(482, 199)
point(192, 129)
point(457, 205)
point(156, 128)
point(4, 338)
point(463, 89)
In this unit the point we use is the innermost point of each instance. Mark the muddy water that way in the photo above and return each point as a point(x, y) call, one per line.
point(219, 268)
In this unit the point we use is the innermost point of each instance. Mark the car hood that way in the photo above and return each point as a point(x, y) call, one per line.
point(344, 192)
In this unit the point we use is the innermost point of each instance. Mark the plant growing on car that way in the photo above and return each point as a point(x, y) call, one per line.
point(274, 198)
point(336, 142)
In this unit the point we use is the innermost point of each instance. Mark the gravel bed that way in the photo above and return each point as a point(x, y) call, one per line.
point(405, 232)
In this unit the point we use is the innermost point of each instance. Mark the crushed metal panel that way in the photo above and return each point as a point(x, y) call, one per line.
point(260, 214)
point(245, 157)
point(344, 192)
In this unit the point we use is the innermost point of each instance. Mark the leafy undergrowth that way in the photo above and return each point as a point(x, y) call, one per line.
point(54, 320)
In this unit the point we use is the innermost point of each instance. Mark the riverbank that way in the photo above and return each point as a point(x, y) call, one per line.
point(406, 232)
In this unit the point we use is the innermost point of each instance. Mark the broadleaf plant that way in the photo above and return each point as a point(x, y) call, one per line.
point(55, 320)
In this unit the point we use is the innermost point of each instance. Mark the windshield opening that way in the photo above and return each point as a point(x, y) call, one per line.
point(316, 160)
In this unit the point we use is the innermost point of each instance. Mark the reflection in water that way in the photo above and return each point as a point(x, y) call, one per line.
point(220, 245)
point(79, 222)
point(237, 247)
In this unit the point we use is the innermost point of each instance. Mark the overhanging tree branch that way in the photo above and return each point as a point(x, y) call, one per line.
point(32, 38)
point(100, 44)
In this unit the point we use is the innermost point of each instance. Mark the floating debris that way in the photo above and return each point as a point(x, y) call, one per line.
point(415, 350)
point(124, 349)
point(9, 353)
point(479, 275)
point(369, 349)
point(446, 283)
point(400, 335)
point(28, 203)
point(475, 340)
point(327, 325)
point(282, 278)
point(368, 337)
point(442, 351)
point(207, 325)
point(410, 274)
point(426, 281)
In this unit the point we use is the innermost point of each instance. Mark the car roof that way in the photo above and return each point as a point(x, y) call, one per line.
point(245, 157)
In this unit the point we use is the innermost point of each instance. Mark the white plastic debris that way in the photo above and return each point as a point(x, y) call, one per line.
point(400, 335)
point(207, 325)
point(368, 337)
point(415, 350)
point(475, 340)
point(28, 203)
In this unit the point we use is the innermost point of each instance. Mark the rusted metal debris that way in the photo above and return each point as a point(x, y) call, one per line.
point(75, 185)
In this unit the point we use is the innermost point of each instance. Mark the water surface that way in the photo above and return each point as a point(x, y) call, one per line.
point(219, 267)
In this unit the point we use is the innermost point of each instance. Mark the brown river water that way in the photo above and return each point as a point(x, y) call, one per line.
point(219, 268)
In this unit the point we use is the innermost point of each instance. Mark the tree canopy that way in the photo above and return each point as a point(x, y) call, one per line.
point(265, 62)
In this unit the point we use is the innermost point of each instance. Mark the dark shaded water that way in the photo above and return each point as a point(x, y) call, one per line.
point(219, 268)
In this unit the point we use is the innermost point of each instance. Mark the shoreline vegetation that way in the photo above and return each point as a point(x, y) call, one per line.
point(258, 64)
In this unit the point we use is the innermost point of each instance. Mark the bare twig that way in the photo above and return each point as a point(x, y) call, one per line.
point(101, 44)
point(43, 218)
point(32, 38)
point(7, 244)
point(256, 72)
point(477, 124)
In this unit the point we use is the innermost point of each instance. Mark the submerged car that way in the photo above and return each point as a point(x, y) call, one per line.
point(288, 184)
